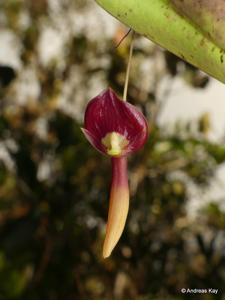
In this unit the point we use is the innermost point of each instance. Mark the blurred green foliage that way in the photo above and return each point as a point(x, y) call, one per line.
point(54, 186)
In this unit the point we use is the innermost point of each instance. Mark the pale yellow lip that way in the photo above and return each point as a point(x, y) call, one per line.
point(114, 143)
point(118, 206)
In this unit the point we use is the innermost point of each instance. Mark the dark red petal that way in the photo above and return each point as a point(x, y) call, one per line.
point(107, 113)
point(93, 141)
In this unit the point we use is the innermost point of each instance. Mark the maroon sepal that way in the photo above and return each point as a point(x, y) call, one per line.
point(106, 113)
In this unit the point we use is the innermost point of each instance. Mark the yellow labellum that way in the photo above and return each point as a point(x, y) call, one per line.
point(114, 143)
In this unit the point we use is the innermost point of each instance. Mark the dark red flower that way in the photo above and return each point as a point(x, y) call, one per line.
point(116, 128)
point(113, 126)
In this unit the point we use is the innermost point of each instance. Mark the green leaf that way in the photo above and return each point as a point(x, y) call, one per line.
point(159, 21)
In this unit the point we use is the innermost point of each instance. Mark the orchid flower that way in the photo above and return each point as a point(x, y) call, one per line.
point(115, 128)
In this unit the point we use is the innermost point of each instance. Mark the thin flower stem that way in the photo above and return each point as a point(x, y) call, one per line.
point(123, 38)
point(128, 67)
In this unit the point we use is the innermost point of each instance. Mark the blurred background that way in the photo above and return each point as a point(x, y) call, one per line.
point(54, 187)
